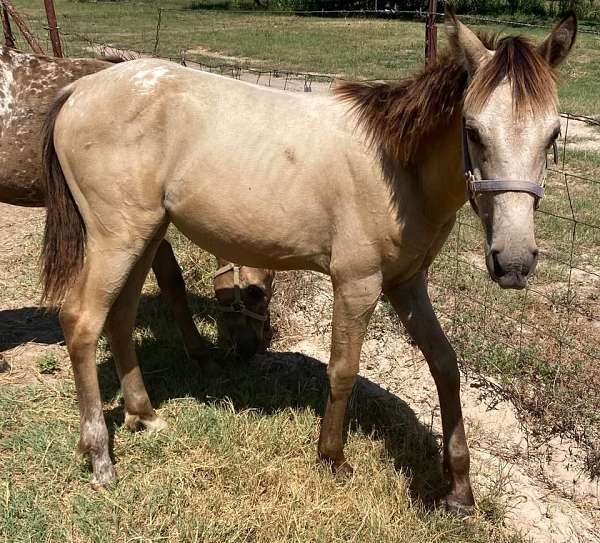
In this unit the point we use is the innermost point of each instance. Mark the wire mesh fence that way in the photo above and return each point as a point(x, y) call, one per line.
point(540, 346)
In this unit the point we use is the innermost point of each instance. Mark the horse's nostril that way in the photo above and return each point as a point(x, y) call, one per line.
point(498, 269)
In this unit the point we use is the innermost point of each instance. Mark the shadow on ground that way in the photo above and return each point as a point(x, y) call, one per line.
point(268, 383)
point(275, 381)
point(27, 324)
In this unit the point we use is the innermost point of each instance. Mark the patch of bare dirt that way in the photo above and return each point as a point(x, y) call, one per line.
point(203, 51)
point(581, 135)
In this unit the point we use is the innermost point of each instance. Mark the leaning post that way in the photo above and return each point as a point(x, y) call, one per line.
point(9, 39)
point(430, 32)
point(53, 28)
point(29, 38)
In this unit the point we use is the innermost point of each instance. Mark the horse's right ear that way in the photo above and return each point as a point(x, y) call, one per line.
point(558, 44)
point(464, 41)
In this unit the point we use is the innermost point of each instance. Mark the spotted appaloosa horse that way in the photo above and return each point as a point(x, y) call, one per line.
point(28, 83)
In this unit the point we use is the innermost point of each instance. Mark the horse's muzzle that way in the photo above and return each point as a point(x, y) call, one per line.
point(511, 274)
point(514, 280)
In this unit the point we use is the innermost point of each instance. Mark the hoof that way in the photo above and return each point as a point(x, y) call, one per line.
point(155, 425)
point(458, 509)
point(342, 469)
point(339, 467)
point(102, 478)
point(135, 423)
point(4, 365)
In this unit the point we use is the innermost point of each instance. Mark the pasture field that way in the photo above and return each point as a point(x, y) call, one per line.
point(350, 48)
point(238, 462)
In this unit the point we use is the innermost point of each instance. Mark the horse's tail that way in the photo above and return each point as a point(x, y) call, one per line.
point(64, 235)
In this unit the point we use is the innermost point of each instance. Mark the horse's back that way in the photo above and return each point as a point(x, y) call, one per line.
point(217, 153)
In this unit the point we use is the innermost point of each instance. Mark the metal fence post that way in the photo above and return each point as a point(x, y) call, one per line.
point(53, 28)
point(430, 32)
point(157, 38)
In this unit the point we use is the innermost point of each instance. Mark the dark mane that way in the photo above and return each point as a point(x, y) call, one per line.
point(399, 115)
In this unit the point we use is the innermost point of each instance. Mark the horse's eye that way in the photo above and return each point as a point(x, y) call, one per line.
point(473, 135)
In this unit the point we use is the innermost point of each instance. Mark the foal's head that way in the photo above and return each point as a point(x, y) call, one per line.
point(244, 294)
point(511, 122)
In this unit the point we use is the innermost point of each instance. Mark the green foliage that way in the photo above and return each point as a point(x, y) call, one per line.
point(48, 364)
point(585, 9)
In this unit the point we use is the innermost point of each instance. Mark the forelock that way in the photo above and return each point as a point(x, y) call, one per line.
point(516, 61)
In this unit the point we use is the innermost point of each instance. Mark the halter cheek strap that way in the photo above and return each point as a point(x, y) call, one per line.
point(238, 305)
point(475, 186)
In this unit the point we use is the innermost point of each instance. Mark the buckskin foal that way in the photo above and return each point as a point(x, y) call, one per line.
point(28, 83)
point(342, 184)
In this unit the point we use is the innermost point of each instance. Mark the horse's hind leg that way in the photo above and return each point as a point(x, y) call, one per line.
point(119, 327)
point(172, 288)
point(82, 317)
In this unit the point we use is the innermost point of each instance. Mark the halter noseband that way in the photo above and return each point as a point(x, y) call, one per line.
point(475, 186)
point(238, 305)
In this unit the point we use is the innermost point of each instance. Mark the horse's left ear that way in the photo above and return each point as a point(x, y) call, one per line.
point(558, 44)
point(464, 41)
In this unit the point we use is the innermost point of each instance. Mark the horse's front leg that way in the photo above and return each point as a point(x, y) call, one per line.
point(172, 288)
point(414, 308)
point(354, 301)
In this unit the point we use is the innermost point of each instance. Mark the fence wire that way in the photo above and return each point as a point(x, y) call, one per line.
point(532, 341)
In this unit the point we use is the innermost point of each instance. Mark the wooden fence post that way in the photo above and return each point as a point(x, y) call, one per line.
point(430, 32)
point(53, 28)
point(9, 39)
point(33, 43)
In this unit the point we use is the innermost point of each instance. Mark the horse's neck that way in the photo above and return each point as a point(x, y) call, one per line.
point(441, 171)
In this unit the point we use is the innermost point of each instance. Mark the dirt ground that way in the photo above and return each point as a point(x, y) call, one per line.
point(547, 494)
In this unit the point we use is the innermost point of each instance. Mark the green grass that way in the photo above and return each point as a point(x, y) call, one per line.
point(352, 48)
point(238, 462)
point(48, 364)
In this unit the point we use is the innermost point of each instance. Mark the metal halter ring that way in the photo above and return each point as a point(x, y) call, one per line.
point(237, 306)
point(475, 186)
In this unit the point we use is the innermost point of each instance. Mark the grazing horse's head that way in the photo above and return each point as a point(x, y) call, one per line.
point(510, 123)
point(244, 294)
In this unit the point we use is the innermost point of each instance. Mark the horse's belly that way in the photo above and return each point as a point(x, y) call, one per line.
point(256, 232)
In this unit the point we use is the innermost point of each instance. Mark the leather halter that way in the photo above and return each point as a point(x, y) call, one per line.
point(475, 186)
point(237, 306)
